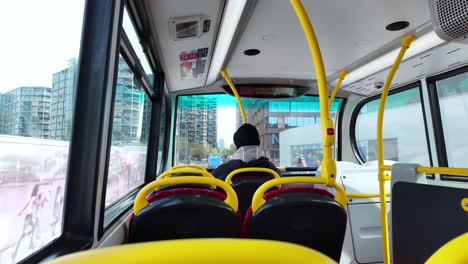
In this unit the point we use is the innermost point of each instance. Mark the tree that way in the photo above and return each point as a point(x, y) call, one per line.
point(229, 151)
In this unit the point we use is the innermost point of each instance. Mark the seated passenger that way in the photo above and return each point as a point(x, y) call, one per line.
point(248, 154)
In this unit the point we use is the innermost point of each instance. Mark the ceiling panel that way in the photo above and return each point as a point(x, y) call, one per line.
point(170, 51)
point(346, 30)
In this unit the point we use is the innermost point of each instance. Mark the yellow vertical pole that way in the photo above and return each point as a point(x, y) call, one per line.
point(341, 77)
point(236, 94)
point(405, 43)
point(328, 130)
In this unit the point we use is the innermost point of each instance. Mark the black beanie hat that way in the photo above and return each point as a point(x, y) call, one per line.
point(246, 135)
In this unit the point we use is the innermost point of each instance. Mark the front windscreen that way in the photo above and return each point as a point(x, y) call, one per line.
point(289, 129)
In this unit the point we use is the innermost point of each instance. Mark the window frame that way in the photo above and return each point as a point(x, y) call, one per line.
point(338, 125)
point(437, 124)
point(362, 103)
point(155, 93)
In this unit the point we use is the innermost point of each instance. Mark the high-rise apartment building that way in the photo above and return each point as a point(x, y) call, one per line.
point(63, 98)
point(25, 111)
point(272, 117)
point(131, 106)
point(197, 118)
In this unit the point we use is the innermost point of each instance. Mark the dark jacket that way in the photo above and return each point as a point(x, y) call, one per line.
point(223, 170)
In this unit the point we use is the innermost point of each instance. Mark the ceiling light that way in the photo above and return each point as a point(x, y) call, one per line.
point(420, 45)
point(231, 17)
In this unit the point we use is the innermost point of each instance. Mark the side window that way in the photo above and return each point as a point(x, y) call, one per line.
point(131, 119)
point(130, 129)
point(39, 66)
point(453, 102)
point(405, 137)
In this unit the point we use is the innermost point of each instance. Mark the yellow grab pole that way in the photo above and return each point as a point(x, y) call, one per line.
point(236, 94)
point(444, 170)
point(405, 43)
point(364, 195)
point(341, 77)
point(328, 130)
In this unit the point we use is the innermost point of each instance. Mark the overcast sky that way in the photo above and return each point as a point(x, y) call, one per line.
point(38, 38)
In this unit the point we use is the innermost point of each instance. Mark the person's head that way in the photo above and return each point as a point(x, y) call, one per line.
point(246, 135)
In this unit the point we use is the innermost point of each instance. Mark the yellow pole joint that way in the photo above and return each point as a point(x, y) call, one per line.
point(341, 77)
point(236, 94)
point(406, 41)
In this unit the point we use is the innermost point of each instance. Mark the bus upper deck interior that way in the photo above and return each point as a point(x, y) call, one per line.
point(114, 114)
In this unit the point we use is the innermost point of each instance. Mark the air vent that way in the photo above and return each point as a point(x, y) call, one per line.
point(450, 19)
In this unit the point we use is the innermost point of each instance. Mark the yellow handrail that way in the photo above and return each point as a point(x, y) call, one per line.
point(141, 202)
point(341, 77)
point(193, 166)
point(406, 42)
point(444, 170)
point(328, 129)
point(258, 200)
point(364, 195)
point(168, 173)
point(236, 94)
point(228, 179)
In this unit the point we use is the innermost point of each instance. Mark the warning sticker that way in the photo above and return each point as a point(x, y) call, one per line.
point(192, 63)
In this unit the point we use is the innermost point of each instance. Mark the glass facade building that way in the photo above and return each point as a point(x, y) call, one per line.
point(274, 116)
point(197, 117)
point(63, 97)
point(25, 111)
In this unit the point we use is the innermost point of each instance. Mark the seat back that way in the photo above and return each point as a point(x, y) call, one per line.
point(245, 187)
point(245, 181)
point(301, 215)
point(184, 212)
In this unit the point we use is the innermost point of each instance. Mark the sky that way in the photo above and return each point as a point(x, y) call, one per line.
point(226, 123)
point(38, 38)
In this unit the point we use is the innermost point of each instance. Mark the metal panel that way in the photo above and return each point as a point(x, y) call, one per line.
point(425, 217)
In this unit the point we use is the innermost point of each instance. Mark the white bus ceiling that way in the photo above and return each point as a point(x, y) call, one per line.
point(350, 33)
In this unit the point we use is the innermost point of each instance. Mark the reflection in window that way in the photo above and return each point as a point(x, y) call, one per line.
point(162, 133)
point(37, 87)
point(404, 131)
point(453, 100)
point(134, 40)
point(132, 114)
point(206, 124)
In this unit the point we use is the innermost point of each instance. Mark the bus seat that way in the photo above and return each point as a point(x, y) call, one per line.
point(303, 215)
point(246, 181)
point(245, 187)
point(184, 213)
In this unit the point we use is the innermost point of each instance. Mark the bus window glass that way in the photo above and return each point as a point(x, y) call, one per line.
point(289, 129)
point(162, 133)
point(134, 40)
point(130, 130)
point(404, 131)
point(39, 67)
point(453, 101)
